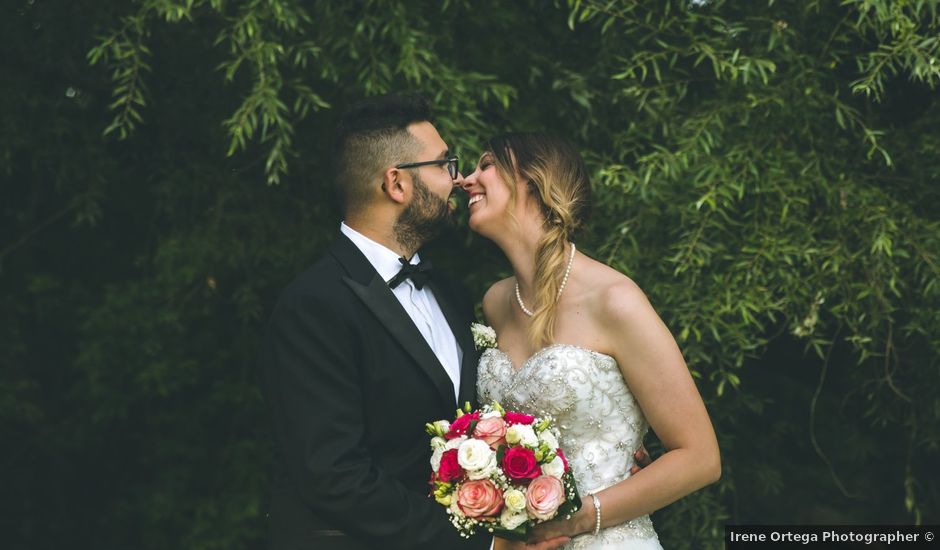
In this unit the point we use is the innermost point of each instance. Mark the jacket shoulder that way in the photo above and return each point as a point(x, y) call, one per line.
point(322, 283)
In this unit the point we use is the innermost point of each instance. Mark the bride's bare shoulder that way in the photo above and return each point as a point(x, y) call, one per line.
point(614, 293)
point(624, 305)
point(495, 302)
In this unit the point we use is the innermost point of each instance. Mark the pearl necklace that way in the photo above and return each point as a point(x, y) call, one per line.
point(564, 281)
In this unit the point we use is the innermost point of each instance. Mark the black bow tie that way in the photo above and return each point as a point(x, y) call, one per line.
point(418, 273)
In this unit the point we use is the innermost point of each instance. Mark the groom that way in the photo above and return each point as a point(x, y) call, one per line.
point(367, 346)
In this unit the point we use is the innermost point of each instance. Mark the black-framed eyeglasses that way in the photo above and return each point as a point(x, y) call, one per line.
point(452, 165)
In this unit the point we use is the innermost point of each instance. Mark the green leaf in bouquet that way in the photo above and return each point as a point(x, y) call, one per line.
point(572, 501)
point(500, 453)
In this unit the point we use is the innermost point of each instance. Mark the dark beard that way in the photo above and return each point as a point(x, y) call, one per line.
point(422, 220)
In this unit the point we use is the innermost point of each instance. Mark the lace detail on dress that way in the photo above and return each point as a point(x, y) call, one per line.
point(599, 421)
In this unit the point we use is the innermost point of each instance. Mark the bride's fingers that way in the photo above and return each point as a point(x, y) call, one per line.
point(548, 544)
point(545, 532)
point(642, 459)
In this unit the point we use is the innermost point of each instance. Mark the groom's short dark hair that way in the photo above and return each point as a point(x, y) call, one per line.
point(371, 136)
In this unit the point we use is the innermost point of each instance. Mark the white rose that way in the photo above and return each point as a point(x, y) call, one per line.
point(514, 499)
point(455, 443)
point(521, 433)
point(510, 519)
point(436, 459)
point(438, 443)
point(490, 414)
point(549, 438)
point(474, 454)
point(555, 468)
point(485, 472)
point(455, 510)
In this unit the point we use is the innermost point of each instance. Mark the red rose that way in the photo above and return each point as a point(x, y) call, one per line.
point(450, 469)
point(518, 418)
point(519, 463)
point(563, 459)
point(479, 499)
point(459, 426)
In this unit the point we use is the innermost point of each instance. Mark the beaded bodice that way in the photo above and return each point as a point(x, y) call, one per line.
point(600, 423)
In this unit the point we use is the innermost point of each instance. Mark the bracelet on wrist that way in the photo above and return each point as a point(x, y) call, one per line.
point(597, 514)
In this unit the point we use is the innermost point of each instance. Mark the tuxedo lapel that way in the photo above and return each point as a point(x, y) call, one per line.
point(365, 282)
point(460, 326)
point(468, 374)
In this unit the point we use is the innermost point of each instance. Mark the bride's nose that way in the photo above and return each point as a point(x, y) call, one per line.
point(466, 182)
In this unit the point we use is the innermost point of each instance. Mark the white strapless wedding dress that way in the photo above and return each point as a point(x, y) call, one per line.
point(599, 421)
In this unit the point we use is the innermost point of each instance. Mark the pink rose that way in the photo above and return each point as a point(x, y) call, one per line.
point(450, 469)
point(518, 418)
point(459, 426)
point(479, 498)
point(519, 463)
point(492, 431)
point(544, 496)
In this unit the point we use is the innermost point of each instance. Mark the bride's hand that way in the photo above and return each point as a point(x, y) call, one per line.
point(549, 544)
point(641, 459)
point(581, 521)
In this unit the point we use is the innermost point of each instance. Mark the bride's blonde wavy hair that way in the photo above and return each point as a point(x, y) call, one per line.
point(557, 179)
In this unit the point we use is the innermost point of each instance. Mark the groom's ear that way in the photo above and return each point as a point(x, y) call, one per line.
point(395, 185)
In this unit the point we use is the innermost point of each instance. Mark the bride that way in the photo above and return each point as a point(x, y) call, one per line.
point(579, 341)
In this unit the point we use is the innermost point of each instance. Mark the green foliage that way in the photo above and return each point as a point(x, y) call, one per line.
point(767, 172)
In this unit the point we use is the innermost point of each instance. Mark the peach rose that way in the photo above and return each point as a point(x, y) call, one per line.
point(543, 497)
point(479, 499)
point(492, 431)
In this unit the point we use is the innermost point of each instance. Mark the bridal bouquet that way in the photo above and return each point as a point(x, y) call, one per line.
point(501, 471)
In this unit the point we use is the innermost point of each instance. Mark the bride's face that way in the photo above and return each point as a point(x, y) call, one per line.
point(490, 197)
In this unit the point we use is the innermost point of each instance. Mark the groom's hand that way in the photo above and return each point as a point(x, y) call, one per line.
point(641, 460)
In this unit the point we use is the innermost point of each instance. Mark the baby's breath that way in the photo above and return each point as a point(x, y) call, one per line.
point(484, 336)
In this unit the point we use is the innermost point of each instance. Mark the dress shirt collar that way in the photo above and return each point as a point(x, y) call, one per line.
point(384, 260)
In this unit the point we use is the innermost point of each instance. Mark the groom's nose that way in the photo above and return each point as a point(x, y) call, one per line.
point(459, 181)
point(467, 183)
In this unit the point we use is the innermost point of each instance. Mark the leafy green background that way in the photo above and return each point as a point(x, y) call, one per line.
point(766, 170)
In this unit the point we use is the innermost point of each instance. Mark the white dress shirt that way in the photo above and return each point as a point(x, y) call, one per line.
point(421, 305)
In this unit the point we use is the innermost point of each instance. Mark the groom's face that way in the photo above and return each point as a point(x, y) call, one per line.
point(431, 208)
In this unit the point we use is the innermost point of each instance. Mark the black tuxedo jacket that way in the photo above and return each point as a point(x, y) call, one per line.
point(350, 383)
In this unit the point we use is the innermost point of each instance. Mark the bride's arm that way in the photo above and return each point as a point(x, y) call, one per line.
point(657, 375)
